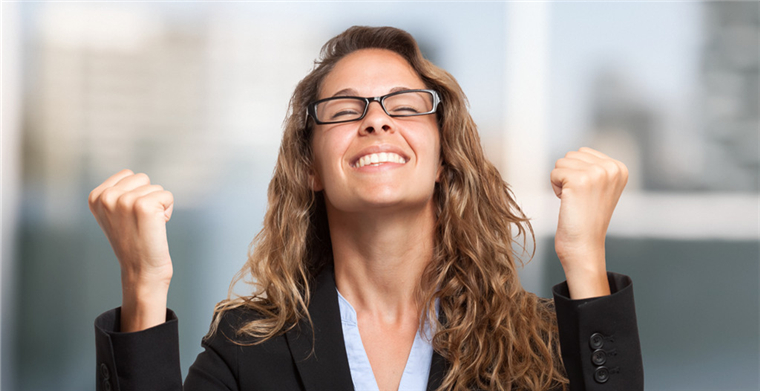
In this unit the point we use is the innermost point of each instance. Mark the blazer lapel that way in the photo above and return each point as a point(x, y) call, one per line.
point(438, 370)
point(326, 367)
point(438, 366)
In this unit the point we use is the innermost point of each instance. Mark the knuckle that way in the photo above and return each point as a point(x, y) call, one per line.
point(617, 169)
point(92, 198)
point(583, 180)
point(143, 205)
point(611, 168)
point(624, 172)
point(142, 177)
point(108, 198)
point(125, 202)
point(623, 168)
point(599, 171)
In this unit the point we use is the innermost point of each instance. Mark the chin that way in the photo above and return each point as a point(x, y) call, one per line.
point(386, 204)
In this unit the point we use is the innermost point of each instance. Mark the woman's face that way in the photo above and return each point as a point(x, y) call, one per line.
point(350, 186)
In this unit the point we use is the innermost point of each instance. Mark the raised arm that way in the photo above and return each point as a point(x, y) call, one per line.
point(595, 309)
point(137, 345)
point(589, 184)
point(133, 214)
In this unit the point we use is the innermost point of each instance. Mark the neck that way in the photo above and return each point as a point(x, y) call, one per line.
point(380, 257)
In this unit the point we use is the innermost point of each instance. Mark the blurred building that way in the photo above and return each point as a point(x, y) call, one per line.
point(122, 85)
point(730, 118)
point(715, 146)
point(626, 126)
point(192, 97)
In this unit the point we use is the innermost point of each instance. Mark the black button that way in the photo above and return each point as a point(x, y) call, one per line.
point(602, 374)
point(596, 341)
point(106, 385)
point(104, 371)
point(599, 357)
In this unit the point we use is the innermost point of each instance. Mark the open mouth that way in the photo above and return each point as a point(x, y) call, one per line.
point(376, 159)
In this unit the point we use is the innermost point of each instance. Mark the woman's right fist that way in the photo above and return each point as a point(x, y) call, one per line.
point(133, 215)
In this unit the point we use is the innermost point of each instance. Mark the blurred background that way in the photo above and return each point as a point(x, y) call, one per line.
point(194, 95)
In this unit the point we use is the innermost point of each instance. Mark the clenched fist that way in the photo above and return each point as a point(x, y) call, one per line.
point(133, 215)
point(589, 184)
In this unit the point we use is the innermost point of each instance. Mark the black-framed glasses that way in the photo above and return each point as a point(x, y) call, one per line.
point(407, 103)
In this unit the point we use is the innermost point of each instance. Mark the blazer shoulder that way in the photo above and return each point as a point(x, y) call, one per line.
point(248, 362)
point(230, 324)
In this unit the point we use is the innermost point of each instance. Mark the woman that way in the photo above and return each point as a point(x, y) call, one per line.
point(386, 258)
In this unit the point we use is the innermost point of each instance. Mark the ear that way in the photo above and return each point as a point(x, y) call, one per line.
point(315, 183)
point(439, 172)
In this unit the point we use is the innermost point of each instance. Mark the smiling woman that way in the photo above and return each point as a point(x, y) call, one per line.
point(386, 258)
point(365, 188)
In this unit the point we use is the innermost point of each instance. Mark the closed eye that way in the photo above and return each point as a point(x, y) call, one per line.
point(344, 113)
point(405, 110)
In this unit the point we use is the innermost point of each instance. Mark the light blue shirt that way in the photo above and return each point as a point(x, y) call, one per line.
point(416, 371)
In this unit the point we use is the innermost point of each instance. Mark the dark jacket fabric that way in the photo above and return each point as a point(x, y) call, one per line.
point(598, 338)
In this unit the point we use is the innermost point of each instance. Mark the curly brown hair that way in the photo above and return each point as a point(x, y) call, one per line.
point(495, 335)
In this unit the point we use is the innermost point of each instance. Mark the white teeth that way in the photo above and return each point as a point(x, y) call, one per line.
point(379, 158)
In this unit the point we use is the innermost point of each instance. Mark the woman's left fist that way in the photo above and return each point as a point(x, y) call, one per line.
point(589, 184)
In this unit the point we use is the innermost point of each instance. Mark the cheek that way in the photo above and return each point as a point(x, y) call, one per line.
point(432, 145)
point(317, 153)
point(327, 148)
point(438, 157)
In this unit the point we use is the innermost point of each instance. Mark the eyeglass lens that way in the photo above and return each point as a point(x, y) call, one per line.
point(402, 104)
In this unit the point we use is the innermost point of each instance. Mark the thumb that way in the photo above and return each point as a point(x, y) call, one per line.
point(557, 190)
point(557, 178)
point(168, 211)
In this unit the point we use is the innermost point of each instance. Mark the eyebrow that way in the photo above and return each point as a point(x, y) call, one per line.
point(353, 92)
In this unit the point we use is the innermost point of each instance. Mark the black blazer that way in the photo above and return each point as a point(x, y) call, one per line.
point(598, 337)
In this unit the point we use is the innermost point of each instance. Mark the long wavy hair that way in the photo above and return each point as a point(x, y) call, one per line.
point(494, 334)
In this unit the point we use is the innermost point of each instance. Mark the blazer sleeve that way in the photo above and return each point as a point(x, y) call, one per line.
point(149, 359)
point(599, 338)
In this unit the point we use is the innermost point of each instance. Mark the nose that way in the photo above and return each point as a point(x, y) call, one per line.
point(376, 119)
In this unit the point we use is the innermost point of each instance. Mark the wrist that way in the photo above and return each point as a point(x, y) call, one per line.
point(145, 278)
point(580, 254)
point(587, 278)
point(143, 302)
point(140, 312)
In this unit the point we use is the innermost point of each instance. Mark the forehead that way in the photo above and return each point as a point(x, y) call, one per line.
point(370, 72)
